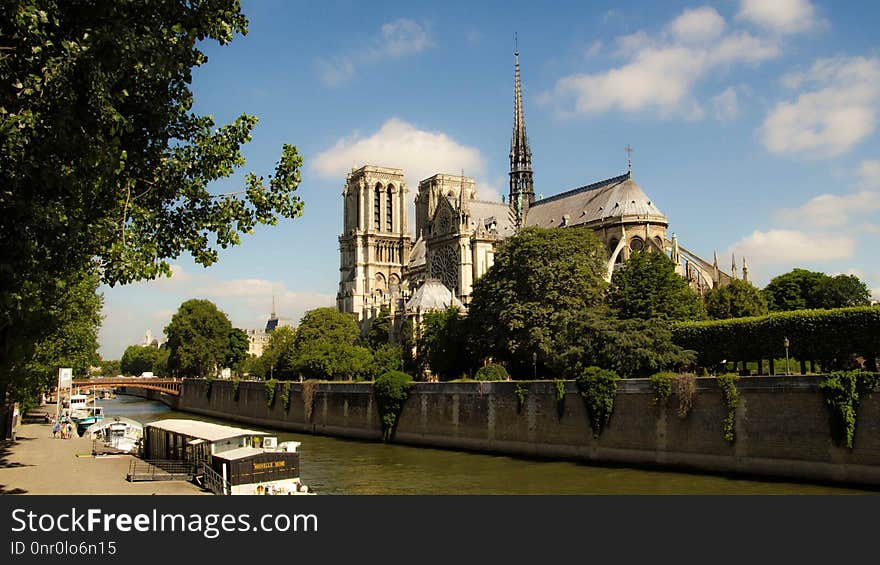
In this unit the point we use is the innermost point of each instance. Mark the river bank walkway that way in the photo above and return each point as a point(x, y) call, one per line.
point(37, 463)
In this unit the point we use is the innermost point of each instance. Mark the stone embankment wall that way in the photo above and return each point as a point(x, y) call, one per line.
point(782, 424)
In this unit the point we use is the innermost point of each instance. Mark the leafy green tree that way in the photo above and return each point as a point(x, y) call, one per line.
point(842, 291)
point(279, 357)
point(138, 359)
point(738, 299)
point(539, 280)
point(73, 341)
point(325, 359)
point(198, 339)
point(443, 346)
point(380, 329)
point(802, 289)
point(327, 324)
point(237, 349)
point(103, 158)
point(647, 287)
point(795, 290)
point(632, 348)
point(110, 368)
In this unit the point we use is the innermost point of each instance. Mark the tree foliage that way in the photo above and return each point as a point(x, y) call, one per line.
point(802, 289)
point(380, 329)
point(540, 277)
point(102, 158)
point(327, 324)
point(138, 359)
point(647, 287)
point(630, 348)
point(198, 339)
point(739, 299)
point(443, 346)
point(236, 349)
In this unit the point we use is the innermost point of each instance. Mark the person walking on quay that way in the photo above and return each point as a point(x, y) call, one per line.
point(56, 429)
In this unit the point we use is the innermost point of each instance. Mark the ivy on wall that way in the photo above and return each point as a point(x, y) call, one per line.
point(560, 397)
point(235, 384)
point(843, 391)
point(285, 395)
point(308, 390)
point(391, 390)
point(522, 392)
point(686, 390)
point(731, 399)
point(209, 381)
point(270, 392)
point(598, 388)
point(661, 383)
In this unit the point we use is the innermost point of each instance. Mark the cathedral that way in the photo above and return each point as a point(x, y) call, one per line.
point(383, 265)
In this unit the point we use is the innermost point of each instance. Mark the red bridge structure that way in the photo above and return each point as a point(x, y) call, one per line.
point(168, 386)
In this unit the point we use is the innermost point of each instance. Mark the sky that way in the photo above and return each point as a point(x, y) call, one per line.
point(752, 122)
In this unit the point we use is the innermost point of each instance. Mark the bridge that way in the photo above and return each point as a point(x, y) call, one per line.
point(168, 386)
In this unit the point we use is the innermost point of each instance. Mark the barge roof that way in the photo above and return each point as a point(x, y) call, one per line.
point(203, 430)
point(240, 453)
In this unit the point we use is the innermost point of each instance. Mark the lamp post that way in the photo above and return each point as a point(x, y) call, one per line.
point(535, 365)
point(786, 342)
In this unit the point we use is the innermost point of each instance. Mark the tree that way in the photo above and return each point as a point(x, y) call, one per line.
point(631, 348)
point(110, 368)
point(327, 324)
point(198, 339)
point(443, 345)
point(102, 159)
point(796, 290)
point(138, 359)
point(236, 349)
point(647, 287)
point(380, 329)
point(738, 299)
point(842, 291)
point(539, 279)
point(279, 357)
point(72, 341)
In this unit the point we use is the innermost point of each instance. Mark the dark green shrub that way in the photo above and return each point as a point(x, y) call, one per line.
point(391, 390)
point(598, 388)
point(492, 372)
point(843, 391)
point(727, 383)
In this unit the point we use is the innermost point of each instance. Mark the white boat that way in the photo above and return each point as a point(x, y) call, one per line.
point(120, 434)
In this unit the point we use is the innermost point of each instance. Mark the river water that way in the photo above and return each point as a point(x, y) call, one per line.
point(341, 466)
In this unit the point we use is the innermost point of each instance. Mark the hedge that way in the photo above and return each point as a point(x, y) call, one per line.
point(812, 334)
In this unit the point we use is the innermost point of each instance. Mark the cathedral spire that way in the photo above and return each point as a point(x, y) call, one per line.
point(733, 271)
point(522, 190)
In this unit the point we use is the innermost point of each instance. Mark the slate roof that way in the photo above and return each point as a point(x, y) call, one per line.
point(611, 198)
point(484, 213)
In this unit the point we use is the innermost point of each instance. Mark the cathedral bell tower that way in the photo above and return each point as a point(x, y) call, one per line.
point(522, 188)
point(375, 242)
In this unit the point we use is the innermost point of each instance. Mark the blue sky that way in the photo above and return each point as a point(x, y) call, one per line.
point(753, 124)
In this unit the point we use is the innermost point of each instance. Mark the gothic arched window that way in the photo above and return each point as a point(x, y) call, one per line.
point(377, 216)
point(389, 210)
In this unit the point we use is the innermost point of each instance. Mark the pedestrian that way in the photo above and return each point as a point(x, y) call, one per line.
point(69, 430)
point(56, 429)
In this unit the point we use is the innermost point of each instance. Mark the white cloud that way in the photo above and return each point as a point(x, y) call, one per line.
point(875, 294)
point(698, 25)
point(726, 105)
point(593, 49)
point(418, 152)
point(396, 39)
point(779, 246)
point(403, 37)
point(831, 119)
point(830, 210)
point(661, 72)
point(869, 172)
point(780, 16)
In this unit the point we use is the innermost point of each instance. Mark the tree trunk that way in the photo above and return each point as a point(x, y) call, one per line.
point(803, 367)
point(772, 366)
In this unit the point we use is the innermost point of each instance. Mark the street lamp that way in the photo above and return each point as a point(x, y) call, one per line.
point(786, 342)
point(535, 365)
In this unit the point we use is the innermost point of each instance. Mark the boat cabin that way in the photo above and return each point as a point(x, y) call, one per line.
point(78, 402)
point(241, 461)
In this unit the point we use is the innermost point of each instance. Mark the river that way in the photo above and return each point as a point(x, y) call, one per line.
point(341, 466)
